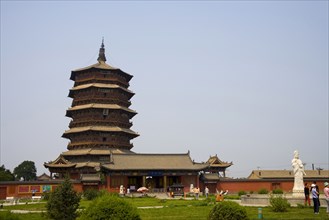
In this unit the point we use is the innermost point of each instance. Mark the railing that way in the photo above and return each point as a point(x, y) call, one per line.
point(91, 121)
point(84, 101)
point(112, 80)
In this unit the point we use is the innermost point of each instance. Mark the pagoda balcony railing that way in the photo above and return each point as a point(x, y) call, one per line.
point(84, 101)
point(107, 80)
point(98, 145)
point(93, 122)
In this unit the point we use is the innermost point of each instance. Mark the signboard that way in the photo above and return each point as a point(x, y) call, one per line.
point(35, 188)
point(46, 188)
point(23, 189)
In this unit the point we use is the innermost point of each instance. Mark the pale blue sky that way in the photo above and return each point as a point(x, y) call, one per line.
point(246, 80)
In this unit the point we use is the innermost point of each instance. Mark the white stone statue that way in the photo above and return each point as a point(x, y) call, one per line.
point(121, 189)
point(299, 174)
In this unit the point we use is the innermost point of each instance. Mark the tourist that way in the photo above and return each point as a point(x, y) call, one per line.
point(315, 197)
point(317, 189)
point(326, 194)
point(307, 195)
point(197, 191)
point(206, 191)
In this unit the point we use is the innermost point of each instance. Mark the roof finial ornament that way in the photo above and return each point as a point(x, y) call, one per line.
point(101, 57)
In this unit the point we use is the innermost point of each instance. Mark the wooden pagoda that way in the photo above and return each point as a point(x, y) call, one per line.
point(100, 124)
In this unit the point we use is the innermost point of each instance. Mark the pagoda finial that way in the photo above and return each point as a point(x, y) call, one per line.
point(101, 57)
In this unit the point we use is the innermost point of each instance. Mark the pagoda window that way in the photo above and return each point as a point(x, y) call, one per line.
point(106, 111)
point(104, 139)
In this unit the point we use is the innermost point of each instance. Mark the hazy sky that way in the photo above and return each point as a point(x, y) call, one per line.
point(246, 80)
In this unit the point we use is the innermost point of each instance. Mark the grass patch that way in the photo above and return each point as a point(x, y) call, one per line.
point(181, 209)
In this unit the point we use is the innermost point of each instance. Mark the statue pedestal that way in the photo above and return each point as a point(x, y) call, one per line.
point(298, 193)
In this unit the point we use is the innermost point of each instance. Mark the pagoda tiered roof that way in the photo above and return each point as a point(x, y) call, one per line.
point(91, 151)
point(99, 128)
point(100, 66)
point(101, 106)
point(100, 85)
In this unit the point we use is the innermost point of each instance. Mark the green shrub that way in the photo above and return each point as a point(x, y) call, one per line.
point(242, 192)
point(228, 210)
point(110, 207)
point(63, 202)
point(236, 197)
point(8, 215)
point(90, 194)
point(279, 203)
point(251, 192)
point(277, 191)
point(300, 206)
point(263, 191)
point(46, 196)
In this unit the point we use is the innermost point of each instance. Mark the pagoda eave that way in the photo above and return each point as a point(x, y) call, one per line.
point(100, 66)
point(101, 129)
point(100, 106)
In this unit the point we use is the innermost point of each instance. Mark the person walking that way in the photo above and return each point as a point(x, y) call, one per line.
point(307, 195)
point(315, 197)
point(326, 194)
point(317, 189)
point(197, 191)
point(206, 191)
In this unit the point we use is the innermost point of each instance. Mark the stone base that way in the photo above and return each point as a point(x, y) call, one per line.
point(264, 200)
point(298, 193)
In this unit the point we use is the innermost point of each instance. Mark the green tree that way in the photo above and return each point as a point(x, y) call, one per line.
point(26, 170)
point(63, 202)
point(5, 174)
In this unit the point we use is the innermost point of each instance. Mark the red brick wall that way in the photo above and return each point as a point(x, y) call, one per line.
point(236, 185)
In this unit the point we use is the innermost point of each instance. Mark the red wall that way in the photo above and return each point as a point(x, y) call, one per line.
point(24, 189)
point(236, 185)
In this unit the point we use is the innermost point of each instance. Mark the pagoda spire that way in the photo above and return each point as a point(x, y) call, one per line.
point(101, 57)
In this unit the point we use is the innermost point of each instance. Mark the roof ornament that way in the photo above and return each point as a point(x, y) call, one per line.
point(101, 57)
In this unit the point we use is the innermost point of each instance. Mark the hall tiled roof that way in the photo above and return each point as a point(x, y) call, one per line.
point(153, 162)
point(211, 176)
point(214, 161)
point(90, 177)
point(269, 174)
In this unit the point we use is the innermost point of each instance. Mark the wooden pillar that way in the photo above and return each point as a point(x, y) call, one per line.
point(144, 181)
point(197, 181)
point(165, 183)
point(108, 182)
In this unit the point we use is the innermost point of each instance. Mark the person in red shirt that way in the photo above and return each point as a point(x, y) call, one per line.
point(307, 195)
